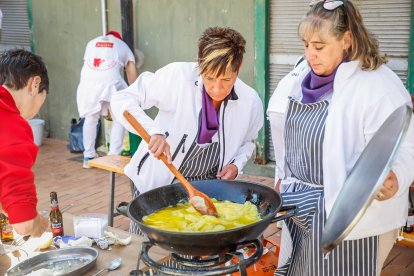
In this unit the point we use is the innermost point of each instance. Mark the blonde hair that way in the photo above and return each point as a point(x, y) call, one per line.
point(220, 50)
point(364, 45)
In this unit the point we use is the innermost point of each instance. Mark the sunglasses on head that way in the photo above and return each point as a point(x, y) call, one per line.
point(329, 5)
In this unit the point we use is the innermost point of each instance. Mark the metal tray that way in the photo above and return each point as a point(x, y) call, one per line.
point(366, 177)
point(81, 259)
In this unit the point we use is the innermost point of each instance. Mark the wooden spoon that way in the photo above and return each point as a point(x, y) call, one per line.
point(200, 201)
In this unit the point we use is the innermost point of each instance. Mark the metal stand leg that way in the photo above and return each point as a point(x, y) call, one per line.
point(111, 199)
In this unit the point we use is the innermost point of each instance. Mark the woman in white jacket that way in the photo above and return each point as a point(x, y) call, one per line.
point(207, 117)
point(322, 115)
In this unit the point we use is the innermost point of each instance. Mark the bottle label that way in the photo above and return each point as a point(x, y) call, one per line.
point(7, 235)
point(6, 230)
point(57, 228)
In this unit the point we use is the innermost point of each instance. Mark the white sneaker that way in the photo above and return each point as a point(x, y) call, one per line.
point(86, 159)
point(85, 163)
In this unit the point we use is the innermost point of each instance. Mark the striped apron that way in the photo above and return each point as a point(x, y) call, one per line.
point(304, 134)
point(201, 162)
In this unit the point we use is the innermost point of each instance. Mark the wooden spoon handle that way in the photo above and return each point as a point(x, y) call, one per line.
point(146, 137)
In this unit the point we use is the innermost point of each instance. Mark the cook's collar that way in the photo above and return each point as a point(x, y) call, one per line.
point(233, 95)
point(346, 70)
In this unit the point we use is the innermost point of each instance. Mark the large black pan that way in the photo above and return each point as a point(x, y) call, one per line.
point(267, 200)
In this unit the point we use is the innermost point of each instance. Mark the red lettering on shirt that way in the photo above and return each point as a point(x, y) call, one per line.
point(104, 44)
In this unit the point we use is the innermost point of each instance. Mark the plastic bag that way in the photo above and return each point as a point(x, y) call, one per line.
point(76, 136)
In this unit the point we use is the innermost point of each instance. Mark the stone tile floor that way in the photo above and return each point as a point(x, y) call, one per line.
point(57, 169)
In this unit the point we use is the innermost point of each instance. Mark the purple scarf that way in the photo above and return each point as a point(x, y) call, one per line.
point(209, 119)
point(314, 86)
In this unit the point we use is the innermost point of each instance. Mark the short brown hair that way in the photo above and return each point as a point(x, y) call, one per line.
point(219, 50)
point(17, 66)
point(344, 18)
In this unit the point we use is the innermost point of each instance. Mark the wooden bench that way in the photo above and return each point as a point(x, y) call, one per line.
point(113, 164)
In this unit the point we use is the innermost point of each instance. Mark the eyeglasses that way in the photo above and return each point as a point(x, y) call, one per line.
point(329, 5)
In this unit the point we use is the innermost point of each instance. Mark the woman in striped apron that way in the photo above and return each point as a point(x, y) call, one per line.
point(322, 116)
point(305, 127)
point(229, 112)
point(207, 117)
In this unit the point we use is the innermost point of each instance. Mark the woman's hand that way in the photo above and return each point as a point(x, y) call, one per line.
point(40, 225)
point(34, 227)
point(158, 145)
point(229, 172)
point(389, 188)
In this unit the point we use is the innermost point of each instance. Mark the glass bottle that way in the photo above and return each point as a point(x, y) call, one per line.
point(409, 225)
point(6, 229)
point(55, 216)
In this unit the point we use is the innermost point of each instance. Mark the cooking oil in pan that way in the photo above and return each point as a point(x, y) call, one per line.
point(184, 218)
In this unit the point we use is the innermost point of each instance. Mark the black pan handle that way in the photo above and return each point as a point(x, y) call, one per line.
point(122, 208)
point(290, 212)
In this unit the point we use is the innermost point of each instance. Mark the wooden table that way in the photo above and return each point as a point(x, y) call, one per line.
point(128, 253)
point(113, 164)
point(407, 239)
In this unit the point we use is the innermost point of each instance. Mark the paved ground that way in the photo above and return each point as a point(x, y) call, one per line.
point(59, 170)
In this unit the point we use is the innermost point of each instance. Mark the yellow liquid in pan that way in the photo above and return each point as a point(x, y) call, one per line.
point(184, 218)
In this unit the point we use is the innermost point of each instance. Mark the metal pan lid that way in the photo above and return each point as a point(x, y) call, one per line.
point(377, 159)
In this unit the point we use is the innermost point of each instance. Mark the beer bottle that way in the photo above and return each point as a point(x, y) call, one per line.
point(409, 225)
point(6, 230)
point(55, 216)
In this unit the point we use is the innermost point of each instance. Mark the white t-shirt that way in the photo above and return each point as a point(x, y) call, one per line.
point(104, 58)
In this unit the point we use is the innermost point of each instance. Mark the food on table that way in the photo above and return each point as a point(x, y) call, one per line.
point(184, 218)
point(44, 241)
